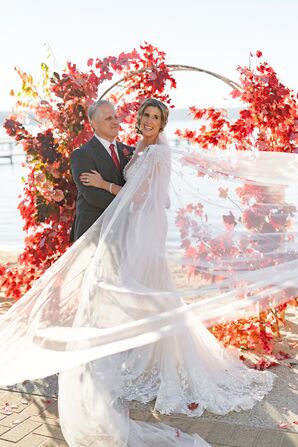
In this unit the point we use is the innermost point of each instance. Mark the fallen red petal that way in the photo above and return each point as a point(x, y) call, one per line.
point(281, 355)
point(192, 406)
point(283, 425)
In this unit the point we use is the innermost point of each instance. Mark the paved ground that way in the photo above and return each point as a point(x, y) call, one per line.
point(31, 421)
point(29, 416)
point(271, 423)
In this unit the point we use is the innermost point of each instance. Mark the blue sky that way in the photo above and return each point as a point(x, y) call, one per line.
point(215, 34)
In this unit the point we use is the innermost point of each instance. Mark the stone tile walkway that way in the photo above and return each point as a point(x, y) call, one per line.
point(28, 420)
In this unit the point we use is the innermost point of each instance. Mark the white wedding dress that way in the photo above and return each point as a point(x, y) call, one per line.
point(185, 368)
point(110, 315)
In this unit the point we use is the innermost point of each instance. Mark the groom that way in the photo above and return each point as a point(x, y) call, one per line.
point(103, 154)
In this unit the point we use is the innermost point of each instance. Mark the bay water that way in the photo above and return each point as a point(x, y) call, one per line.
point(11, 187)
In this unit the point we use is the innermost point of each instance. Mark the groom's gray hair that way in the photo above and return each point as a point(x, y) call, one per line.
point(95, 105)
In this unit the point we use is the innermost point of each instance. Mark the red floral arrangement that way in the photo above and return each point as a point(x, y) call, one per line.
point(60, 103)
point(268, 121)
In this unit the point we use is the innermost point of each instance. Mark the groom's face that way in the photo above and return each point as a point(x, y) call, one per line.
point(106, 122)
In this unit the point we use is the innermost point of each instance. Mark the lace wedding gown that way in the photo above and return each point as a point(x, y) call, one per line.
point(109, 317)
point(188, 368)
point(187, 372)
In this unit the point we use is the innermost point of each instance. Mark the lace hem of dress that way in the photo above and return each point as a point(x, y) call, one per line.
point(240, 389)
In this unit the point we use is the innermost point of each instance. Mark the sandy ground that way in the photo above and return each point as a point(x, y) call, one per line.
point(8, 256)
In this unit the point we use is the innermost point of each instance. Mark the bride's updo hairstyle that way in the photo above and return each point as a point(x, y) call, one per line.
point(164, 111)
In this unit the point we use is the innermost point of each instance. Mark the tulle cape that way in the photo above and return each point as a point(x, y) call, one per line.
point(227, 221)
point(193, 237)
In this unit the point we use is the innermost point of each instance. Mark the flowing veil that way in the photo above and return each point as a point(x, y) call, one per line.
point(194, 238)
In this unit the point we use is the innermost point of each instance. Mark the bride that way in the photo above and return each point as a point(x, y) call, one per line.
point(187, 370)
point(110, 316)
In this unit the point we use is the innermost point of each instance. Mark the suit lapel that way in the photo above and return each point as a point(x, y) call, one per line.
point(101, 151)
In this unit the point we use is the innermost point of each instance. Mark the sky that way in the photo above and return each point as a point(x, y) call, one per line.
point(217, 35)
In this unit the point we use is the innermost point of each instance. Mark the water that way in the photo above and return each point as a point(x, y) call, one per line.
point(11, 186)
point(11, 233)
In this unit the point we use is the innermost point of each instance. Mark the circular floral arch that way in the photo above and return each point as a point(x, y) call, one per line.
point(59, 102)
point(172, 68)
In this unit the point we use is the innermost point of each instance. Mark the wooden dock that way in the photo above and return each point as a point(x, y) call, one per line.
point(9, 150)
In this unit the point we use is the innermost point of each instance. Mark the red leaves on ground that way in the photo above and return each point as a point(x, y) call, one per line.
point(46, 401)
point(264, 364)
point(281, 355)
point(249, 333)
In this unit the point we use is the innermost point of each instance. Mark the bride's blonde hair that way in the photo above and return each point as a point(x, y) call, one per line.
point(164, 111)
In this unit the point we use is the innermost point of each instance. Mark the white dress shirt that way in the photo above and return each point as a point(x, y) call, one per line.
point(106, 144)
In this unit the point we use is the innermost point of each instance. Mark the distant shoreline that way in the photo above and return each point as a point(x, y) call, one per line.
point(177, 114)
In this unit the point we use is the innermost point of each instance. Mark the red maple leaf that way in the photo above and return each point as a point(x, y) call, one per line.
point(193, 406)
point(223, 192)
point(229, 219)
point(177, 435)
point(281, 355)
point(264, 364)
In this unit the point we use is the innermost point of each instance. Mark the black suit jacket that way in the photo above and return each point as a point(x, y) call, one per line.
point(91, 201)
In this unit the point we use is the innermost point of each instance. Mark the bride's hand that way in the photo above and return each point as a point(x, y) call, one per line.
point(92, 178)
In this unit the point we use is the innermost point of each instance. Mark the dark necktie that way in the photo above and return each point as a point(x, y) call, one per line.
point(114, 157)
